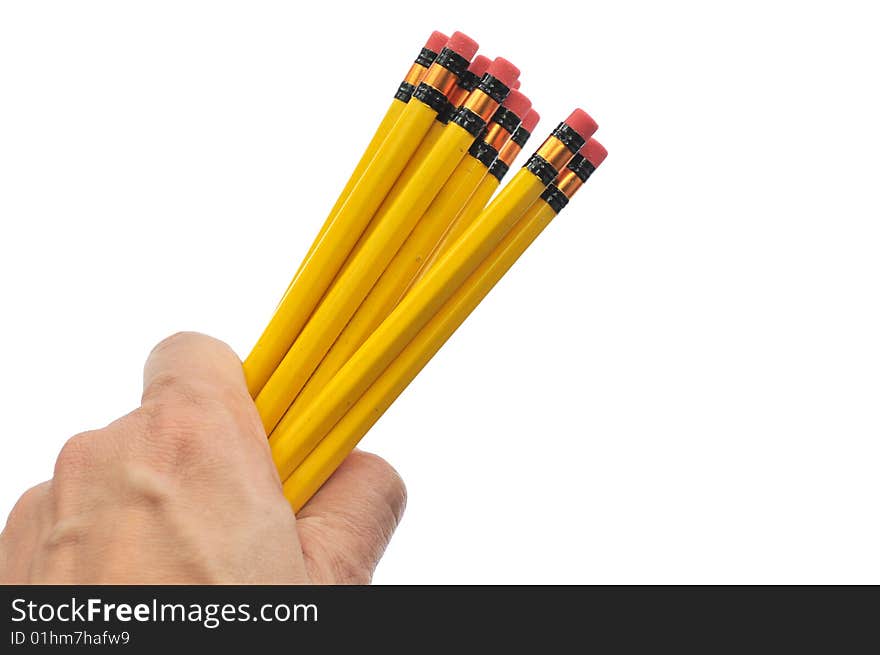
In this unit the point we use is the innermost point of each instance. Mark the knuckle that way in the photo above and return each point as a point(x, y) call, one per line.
point(178, 399)
point(176, 389)
point(185, 428)
point(176, 433)
point(188, 339)
point(174, 340)
point(76, 455)
point(224, 349)
point(28, 503)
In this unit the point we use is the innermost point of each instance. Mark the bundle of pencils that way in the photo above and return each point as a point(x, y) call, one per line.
point(410, 248)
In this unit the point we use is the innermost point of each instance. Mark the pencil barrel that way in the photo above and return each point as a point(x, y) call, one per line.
point(398, 276)
point(411, 246)
point(320, 268)
point(317, 467)
point(476, 203)
point(331, 451)
point(385, 125)
point(350, 289)
point(309, 426)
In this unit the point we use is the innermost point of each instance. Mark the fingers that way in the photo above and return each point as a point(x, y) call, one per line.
point(346, 526)
point(195, 367)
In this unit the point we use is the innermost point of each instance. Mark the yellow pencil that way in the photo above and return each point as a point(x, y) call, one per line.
point(320, 268)
point(396, 279)
point(466, 83)
point(484, 191)
point(326, 457)
point(404, 92)
point(285, 382)
point(391, 228)
point(289, 447)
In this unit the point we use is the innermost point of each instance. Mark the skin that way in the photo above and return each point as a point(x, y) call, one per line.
point(183, 490)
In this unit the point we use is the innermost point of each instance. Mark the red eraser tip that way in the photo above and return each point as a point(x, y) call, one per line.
point(463, 45)
point(594, 152)
point(504, 71)
point(436, 41)
point(517, 103)
point(530, 120)
point(479, 65)
point(516, 85)
point(580, 122)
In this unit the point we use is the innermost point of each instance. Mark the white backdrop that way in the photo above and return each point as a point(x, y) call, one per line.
point(679, 383)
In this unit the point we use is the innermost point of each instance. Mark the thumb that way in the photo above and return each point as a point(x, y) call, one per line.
point(203, 372)
point(346, 526)
point(194, 365)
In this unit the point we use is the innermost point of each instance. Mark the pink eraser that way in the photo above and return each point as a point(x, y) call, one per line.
point(503, 71)
point(580, 122)
point(530, 120)
point(517, 103)
point(479, 65)
point(516, 85)
point(594, 152)
point(436, 41)
point(463, 45)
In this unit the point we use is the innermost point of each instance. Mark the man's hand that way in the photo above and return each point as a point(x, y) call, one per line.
point(183, 490)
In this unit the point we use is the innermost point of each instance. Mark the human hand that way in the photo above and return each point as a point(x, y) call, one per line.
point(183, 490)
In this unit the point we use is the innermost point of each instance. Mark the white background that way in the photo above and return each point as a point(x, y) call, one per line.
point(678, 383)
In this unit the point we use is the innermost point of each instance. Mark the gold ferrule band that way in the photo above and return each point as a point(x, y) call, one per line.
point(457, 96)
point(568, 182)
point(440, 78)
point(509, 152)
point(555, 153)
point(496, 136)
point(481, 103)
point(415, 74)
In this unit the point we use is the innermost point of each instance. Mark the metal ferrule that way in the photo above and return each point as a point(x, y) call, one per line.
point(496, 135)
point(569, 182)
point(555, 152)
point(481, 103)
point(415, 73)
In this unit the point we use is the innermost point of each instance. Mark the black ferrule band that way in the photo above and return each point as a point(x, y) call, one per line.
point(570, 139)
point(430, 96)
point(555, 198)
point(521, 136)
point(483, 153)
point(506, 119)
point(452, 61)
point(426, 57)
point(445, 114)
point(494, 88)
point(498, 169)
point(468, 81)
point(472, 122)
point(541, 168)
point(404, 91)
point(582, 167)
